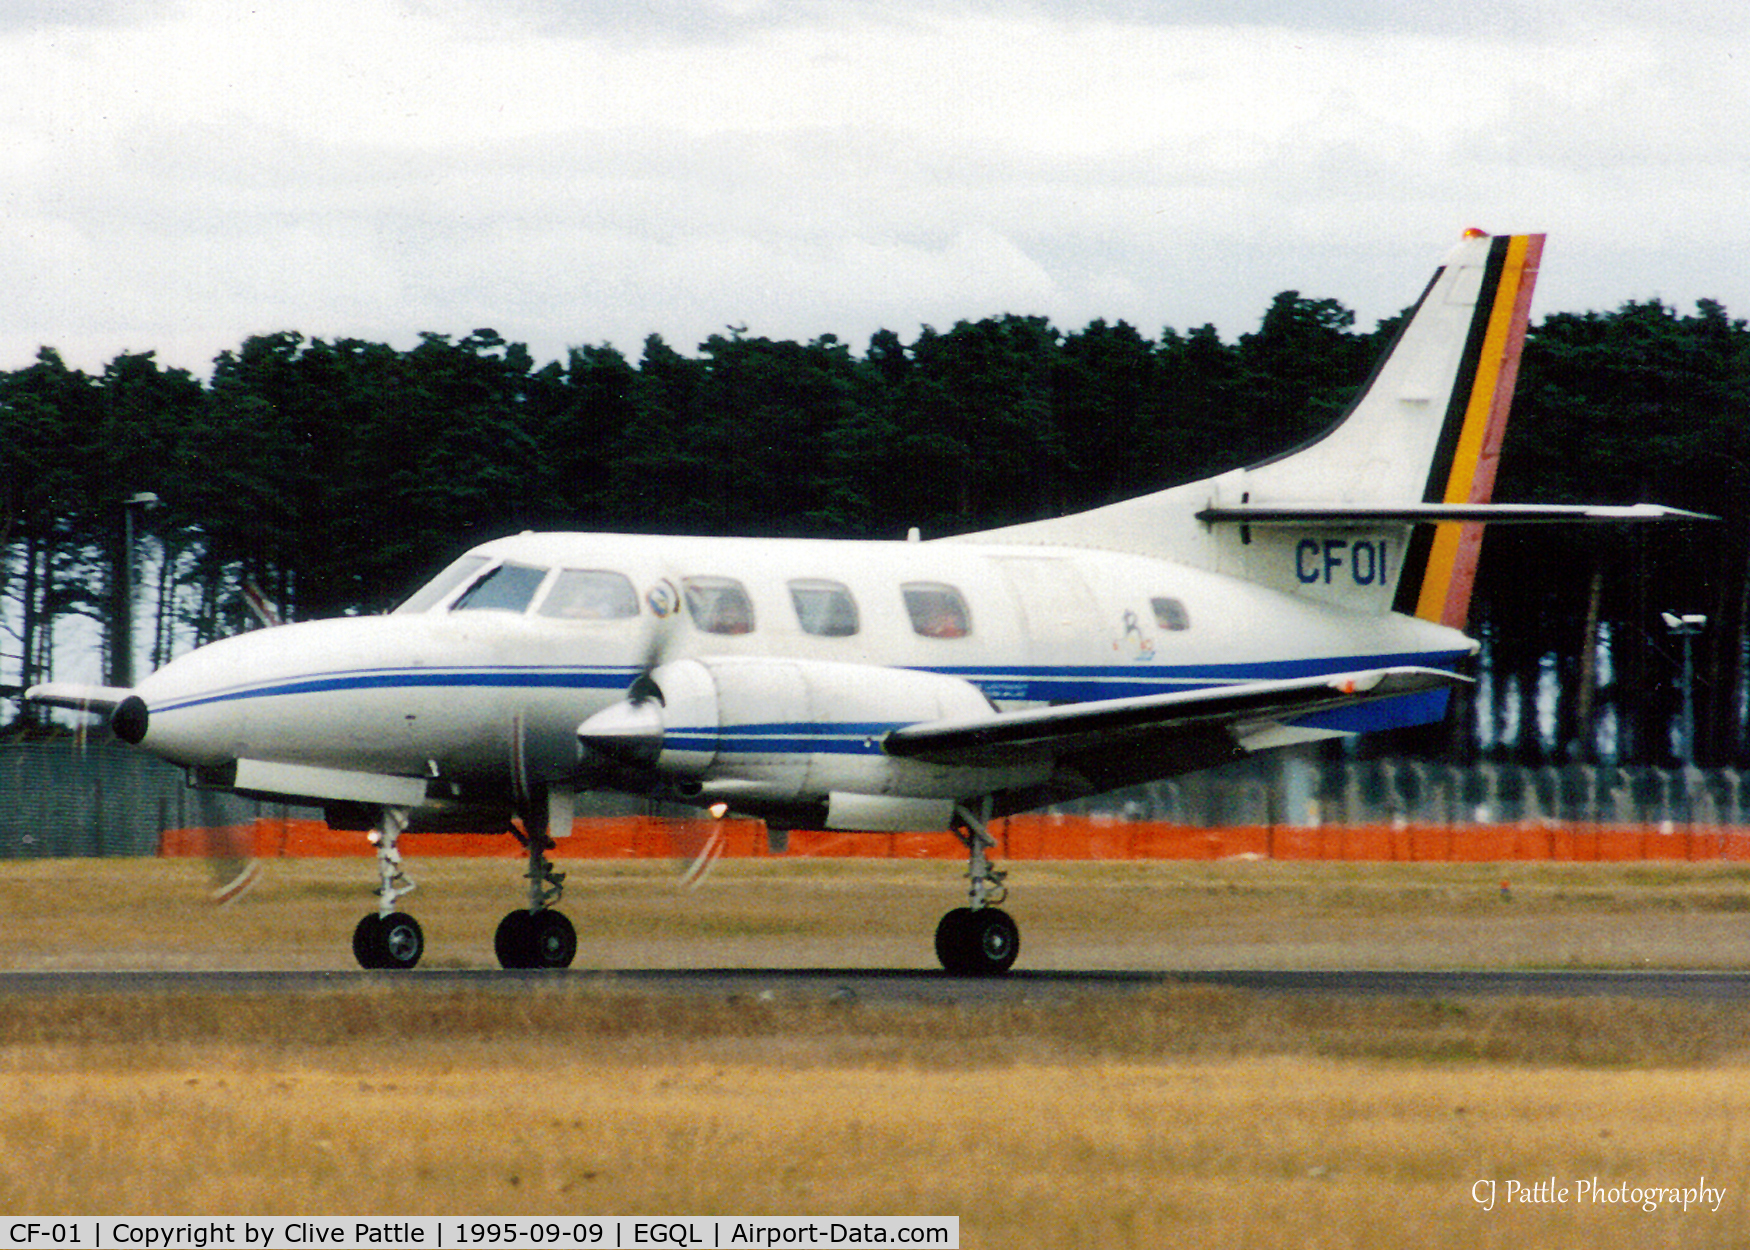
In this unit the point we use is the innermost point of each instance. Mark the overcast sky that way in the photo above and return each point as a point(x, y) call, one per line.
point(180, 174)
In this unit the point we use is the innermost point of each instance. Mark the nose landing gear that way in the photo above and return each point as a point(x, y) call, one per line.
point(388, 938)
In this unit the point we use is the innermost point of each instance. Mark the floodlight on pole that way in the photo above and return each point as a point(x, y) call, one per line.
point(123, 663)
point(1686, 627)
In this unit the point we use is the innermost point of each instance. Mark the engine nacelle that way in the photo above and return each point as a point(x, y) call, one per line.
point(761, 733)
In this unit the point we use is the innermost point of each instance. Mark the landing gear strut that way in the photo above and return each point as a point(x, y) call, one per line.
point(537, 936)
point(389, 938)
point(980, 939)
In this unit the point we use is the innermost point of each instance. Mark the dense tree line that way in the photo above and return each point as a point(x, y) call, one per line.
point(336, 475)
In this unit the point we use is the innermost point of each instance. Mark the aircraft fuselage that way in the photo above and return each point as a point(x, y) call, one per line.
point(456, 683)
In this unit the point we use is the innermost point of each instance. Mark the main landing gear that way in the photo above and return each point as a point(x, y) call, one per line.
point(389, 938)
point(981, 939)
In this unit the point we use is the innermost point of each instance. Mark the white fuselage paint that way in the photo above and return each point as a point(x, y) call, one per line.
point(449, 693)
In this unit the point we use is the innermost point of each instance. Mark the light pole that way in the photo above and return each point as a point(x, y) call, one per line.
point(1686, 628)
point(122, 665)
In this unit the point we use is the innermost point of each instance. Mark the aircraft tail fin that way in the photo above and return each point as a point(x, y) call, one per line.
point(1424, 433)
point(1441, 563)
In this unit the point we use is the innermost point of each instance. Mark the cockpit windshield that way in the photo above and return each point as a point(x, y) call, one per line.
point(590, 595)
point(508, 588)
point(434, 591)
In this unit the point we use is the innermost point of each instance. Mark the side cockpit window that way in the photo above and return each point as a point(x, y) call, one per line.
point(1170, 614)
point(590, 595)
point(719, 605)
point(508, 588)
point(937, 610)
point(824, 608)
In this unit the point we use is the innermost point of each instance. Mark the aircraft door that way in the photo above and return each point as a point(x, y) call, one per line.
point(1057, 611)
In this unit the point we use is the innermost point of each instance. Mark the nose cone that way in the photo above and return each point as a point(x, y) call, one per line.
point(130, 720)
point(626, 733)
point(187, 711)
point(269, 690)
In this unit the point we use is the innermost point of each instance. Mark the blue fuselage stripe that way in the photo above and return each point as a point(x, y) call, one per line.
point(418, 679)
point(1019, 684)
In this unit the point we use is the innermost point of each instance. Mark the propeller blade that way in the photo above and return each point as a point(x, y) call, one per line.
point(260, 606)
point(519, 766)
point(698, 854)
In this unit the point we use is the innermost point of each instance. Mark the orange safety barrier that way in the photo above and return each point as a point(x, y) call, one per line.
point(1020, 837)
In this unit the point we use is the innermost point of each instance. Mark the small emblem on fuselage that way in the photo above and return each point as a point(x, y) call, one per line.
point(1140, 645)
point(663, 599)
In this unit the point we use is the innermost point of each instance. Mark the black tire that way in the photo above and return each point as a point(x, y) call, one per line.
point(555, 940)
point(953, 942)
point(367, 941)
point(514, 943)
point(401, 941)
point(993, 942)
point(393, 942)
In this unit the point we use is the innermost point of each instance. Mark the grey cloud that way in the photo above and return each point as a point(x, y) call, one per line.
point(40, 14)
point(719, 21)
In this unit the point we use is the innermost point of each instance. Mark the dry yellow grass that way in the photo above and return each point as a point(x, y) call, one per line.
point(881, 913)
point(1186, 1115)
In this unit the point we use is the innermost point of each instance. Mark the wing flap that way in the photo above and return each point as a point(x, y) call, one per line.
point(1006, 737)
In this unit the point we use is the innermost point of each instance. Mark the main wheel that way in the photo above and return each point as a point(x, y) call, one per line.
point(555, 944)
point(951, 941)
point(394, 941)
point(539, 939)
point(995, 940)
point(981, 943)
point(514, 943)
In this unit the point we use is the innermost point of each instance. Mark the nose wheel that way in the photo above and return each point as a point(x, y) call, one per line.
point(392, 942)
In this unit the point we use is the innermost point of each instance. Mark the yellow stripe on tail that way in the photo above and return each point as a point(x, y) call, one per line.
point(1452, 562)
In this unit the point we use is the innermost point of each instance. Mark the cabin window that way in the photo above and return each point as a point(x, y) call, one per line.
point(937, 610)
point(719, 605)
point(428, 595)
point(508, 588)
point(590, 595)
point(1170, 614)
point(824, 608)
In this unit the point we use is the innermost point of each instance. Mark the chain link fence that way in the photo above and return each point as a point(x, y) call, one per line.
point(97, 799)
point(1300, 791)
point(100, 799)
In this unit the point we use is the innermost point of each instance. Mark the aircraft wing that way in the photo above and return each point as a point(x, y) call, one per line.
point(79, 697)
point(1109, 725)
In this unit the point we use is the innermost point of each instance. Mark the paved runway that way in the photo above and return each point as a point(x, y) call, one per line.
point(895, 987)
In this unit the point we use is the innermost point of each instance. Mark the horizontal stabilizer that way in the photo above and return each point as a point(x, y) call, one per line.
point(1003, 737)
point(79, 697)
point(1496, 513)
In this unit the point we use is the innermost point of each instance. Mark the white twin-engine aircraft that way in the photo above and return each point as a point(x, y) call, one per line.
point(891, 685)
